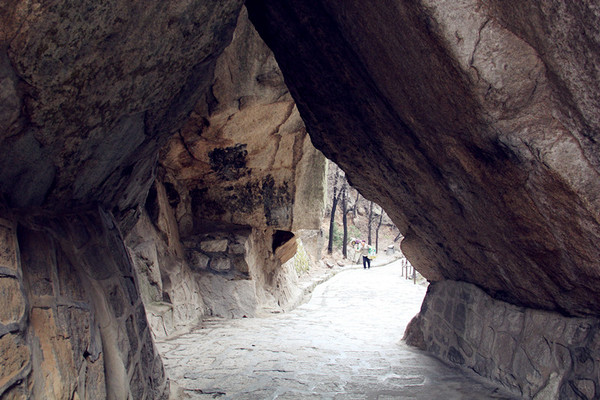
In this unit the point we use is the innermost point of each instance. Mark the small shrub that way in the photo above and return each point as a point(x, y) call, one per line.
point(301, 260)
point(338, 237)
point(353, 232)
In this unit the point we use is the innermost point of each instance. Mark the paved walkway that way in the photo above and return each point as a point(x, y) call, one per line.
point(345, 343)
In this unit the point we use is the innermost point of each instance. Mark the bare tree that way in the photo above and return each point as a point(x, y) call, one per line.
point(344, 195)
point(355, 208)
point(377, 232)
point(370, 220)
point(333, 208)
point(398, 237)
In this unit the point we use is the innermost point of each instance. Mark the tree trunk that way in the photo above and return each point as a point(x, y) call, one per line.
point(398, 237)
point(333, 207)
point(332, 224)
point(377, 232)
point(354, 210)
point(344, 195)
point(370, 221)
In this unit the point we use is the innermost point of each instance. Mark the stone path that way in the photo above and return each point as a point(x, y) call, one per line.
point(345, 343)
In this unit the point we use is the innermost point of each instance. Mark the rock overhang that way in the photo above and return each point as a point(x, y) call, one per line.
point(470, 127)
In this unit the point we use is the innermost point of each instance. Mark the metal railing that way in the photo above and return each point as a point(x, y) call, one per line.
point(408, 270)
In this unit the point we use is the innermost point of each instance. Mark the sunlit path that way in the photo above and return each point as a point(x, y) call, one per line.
point(343, 344)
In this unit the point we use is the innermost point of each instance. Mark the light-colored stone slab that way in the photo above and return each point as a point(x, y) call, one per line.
point(214, 246)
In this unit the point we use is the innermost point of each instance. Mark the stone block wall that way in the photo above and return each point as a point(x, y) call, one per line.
point(228, 272)
point(15, 352)
point(239, 273)
point(220, 252)
point(537, 354)
point(222, 272)
point(72, 324)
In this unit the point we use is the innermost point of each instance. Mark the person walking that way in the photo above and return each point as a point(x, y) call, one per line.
point(364, 251)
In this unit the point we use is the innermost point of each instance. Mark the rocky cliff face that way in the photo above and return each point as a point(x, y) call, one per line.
point(72, 321)
point(473, 123)
point(90, 92)
point(236, 185)
point(237, 155)
point(480, 124)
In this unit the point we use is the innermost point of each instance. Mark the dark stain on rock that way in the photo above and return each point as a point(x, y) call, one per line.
point(202, 204)
point(230, 162)
point(246, 198)
point(151, 205)
point(277, 201)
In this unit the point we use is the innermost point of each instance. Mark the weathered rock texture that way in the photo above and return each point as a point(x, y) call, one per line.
point(90, 92)
point(72, 323)
point(244, 147)
point(475, 128)
point(538, 354)
point(168, 288)
point(473, 123)
point(234, 183)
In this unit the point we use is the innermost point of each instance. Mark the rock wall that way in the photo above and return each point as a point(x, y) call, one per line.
point(168, 287)
point(218, 269)
point(244, 151)
point(473, 127)
point(72, 323)
point(89, 93)
point(87, 103)
point(235, 185)
point(537, 354)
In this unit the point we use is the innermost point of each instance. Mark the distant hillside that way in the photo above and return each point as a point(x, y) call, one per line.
point(358, 212)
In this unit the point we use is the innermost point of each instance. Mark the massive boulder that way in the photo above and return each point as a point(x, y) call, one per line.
point(90, 92)
point(474, 124)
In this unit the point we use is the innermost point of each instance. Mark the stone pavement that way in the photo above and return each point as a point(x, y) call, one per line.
point(345, 343)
